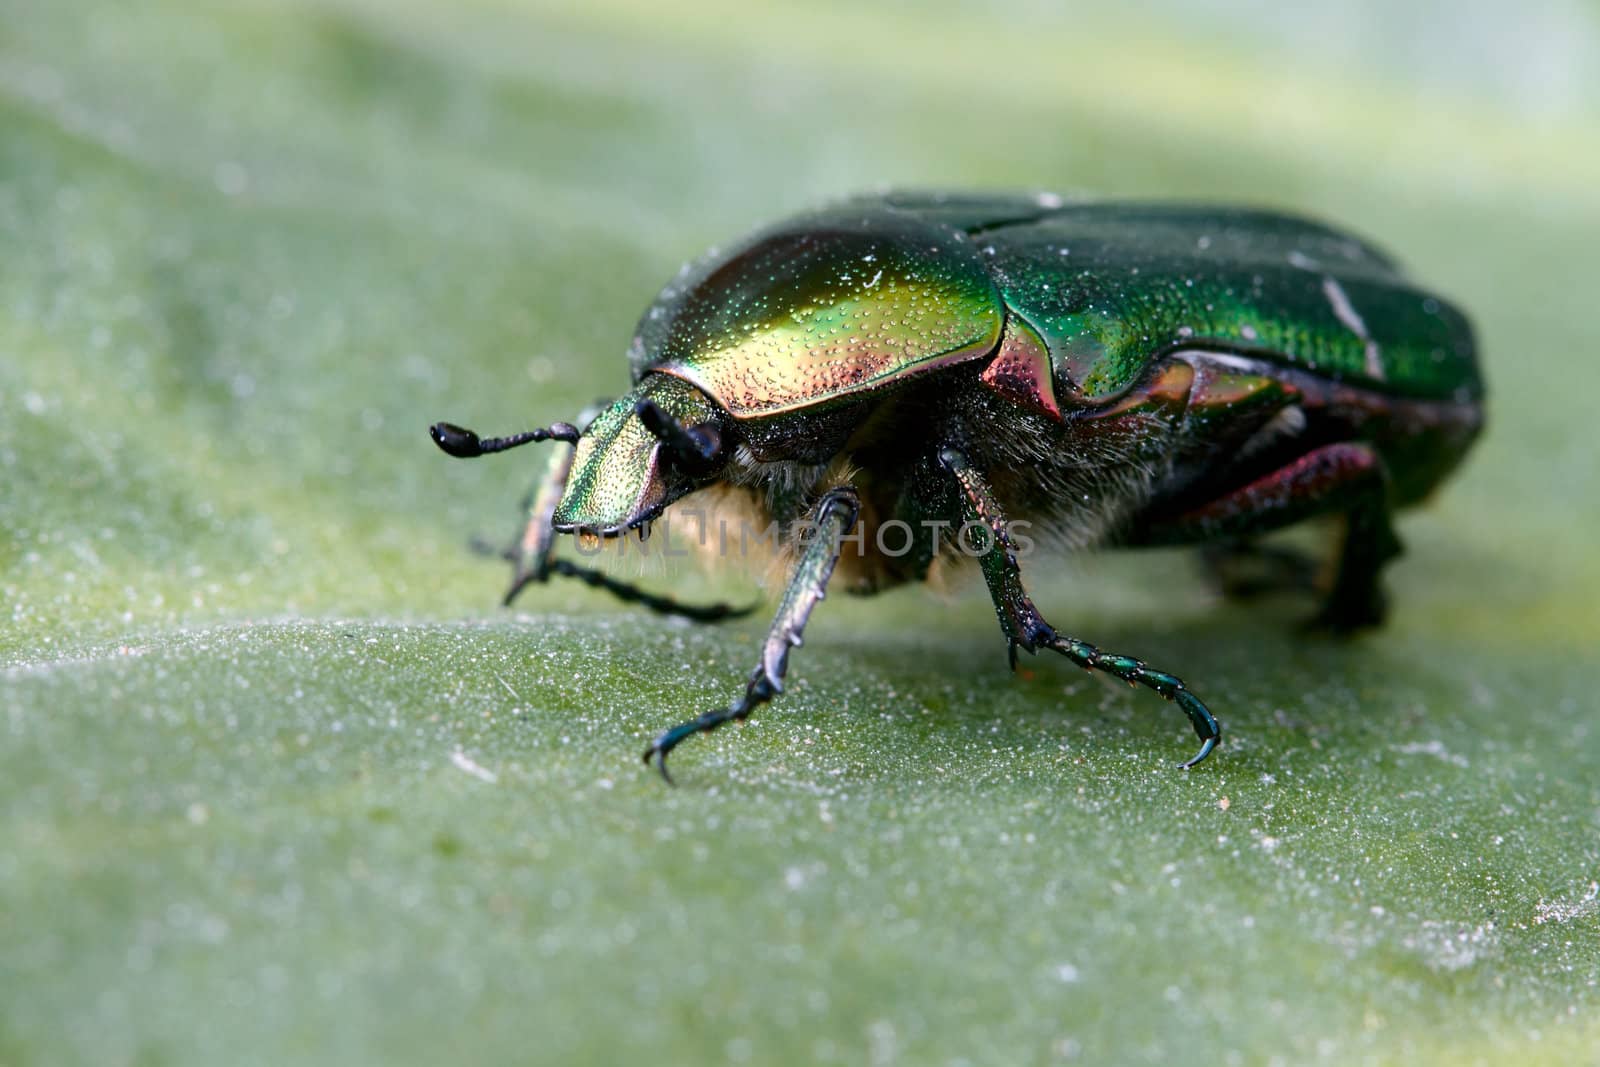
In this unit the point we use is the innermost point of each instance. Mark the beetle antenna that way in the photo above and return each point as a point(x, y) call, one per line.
point(696, 446)
point(464, 444)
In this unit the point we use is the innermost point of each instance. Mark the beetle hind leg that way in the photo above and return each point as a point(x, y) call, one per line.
point(1370, 543)
point(1347, 478)
point(1025, 628)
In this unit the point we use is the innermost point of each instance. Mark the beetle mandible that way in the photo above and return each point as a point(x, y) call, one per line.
point(1116, 373)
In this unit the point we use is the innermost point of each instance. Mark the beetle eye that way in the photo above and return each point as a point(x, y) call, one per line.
point(708, 441)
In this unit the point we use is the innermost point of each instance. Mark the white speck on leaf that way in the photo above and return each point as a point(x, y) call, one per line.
point(466, 763)
point(1560, 911)
point(1430, 748)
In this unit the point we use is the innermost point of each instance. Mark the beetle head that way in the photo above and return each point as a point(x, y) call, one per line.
point(660, 442)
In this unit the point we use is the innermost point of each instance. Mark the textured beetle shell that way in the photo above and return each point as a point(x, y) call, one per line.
point(1112, 287)
point(863, 297)
point(833, 304)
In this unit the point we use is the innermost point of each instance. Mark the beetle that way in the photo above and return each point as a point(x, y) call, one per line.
point(1117, 374)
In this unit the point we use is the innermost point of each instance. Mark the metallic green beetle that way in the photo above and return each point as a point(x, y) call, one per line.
point(1113, 373)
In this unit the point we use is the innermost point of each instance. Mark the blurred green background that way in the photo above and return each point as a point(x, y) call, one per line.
point(279, 783)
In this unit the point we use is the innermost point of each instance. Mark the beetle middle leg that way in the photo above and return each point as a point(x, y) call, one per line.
point(833, 516)
point(1025, 628)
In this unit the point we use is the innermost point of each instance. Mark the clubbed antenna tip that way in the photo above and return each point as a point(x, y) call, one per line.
point(464, 444)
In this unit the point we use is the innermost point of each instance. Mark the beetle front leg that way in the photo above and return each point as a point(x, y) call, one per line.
point(833, 516)
point(532, 554)
point(1025, 628)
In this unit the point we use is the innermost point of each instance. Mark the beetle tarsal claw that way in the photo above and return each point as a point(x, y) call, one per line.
point(1206, 748)
point(655, 753)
